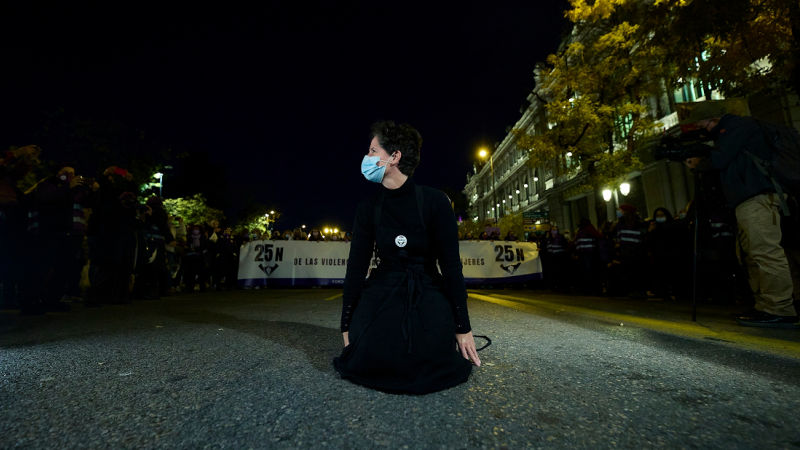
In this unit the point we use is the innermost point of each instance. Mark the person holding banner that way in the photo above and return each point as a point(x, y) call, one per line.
point(399, 325)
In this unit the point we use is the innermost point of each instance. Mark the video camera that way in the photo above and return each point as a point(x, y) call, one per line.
point(684, 146)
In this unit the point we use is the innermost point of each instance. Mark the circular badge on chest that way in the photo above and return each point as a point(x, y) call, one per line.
point(401, 241)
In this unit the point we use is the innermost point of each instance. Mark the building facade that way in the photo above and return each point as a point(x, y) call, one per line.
point(507, 184)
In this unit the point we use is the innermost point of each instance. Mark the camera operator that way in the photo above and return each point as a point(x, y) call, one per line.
point(757, 208)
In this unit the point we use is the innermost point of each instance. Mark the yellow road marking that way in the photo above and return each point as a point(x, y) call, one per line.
point(690, 329)
point(334, 297)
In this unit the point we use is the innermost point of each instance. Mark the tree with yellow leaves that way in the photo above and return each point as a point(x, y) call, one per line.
point(596, 95)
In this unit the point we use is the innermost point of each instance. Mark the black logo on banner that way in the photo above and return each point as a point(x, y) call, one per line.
point(510, 269)
point(268, 270)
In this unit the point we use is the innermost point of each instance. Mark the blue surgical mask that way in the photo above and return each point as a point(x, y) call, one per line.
point(661, 219)
point(371, 170)
point(682, 215)
point(619, 214)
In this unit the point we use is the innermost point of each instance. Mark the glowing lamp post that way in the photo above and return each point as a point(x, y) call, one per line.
point(160, 177)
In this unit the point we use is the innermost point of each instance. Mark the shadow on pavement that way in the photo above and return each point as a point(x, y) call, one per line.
point(319, 344)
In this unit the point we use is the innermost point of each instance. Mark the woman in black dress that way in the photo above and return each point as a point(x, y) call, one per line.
point(406, 328)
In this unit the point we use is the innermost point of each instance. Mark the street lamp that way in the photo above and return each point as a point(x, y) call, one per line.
point(483, 154)
point(625, 189)
point(160, 177)
point(606, 194)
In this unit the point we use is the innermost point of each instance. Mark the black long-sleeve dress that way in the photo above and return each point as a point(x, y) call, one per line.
point(403, 319)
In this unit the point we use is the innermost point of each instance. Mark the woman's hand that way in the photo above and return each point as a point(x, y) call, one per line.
point(466, 343)
point(346, 335)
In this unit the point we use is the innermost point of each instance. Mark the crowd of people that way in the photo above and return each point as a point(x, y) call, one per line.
point(71, 228)
point(644, 259)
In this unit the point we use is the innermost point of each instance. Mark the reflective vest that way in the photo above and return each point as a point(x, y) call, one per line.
point(585, 242)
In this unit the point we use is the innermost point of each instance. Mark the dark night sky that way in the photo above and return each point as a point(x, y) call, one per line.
point(285, 97)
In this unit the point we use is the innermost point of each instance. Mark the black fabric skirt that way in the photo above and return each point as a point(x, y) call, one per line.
point(378, 356)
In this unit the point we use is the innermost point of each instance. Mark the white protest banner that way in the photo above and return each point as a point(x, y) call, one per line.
point(500, 262)
point(303, 263)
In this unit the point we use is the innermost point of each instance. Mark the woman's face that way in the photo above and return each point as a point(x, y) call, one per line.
point(375, 149)
point(660, 213)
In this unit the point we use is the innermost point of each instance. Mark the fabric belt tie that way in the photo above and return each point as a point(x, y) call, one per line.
point(412, 301)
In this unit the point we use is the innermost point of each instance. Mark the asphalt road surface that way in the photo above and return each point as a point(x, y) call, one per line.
point(252, 369)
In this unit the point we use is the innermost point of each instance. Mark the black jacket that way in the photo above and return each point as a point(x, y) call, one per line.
point(740, 177)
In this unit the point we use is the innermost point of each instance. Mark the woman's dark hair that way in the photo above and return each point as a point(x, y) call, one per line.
point(666, 212)
point(484, 236)
point(399, 138)
point(584, 222)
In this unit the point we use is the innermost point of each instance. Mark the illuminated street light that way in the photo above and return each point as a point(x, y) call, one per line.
point(569, 154)
point(606, 195)
point(511, 196)
point(526, 184)
point(625, 188)
point(535, 178)
point(327, 231)
point(160, 177)
point(518, 189)
point(504, 201)
point(303, 226)
point(482, 153)
point(272, 212)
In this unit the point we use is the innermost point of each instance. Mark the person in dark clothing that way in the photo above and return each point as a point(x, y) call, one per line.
point(414, 227)
point(558, 261)
point(511, 236)
point(631, 231)
point(14, 165)
point(225, 264)
point(586, 242)
point(662, 244)
point(152, 281)
point(115, 251)
point(56, 234)
point(112, 184)
point(195, 259)
point(484, 236)
point(606, 250)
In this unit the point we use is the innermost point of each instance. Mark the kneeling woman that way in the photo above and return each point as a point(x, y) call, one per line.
point(406, 328)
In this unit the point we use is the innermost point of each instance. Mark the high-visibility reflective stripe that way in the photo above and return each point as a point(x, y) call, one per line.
point(718, 225)
point(585, 246)
point(557, 251)
point(79, 220)
point(630, 240)
point(724, 233)
point(637, 232)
